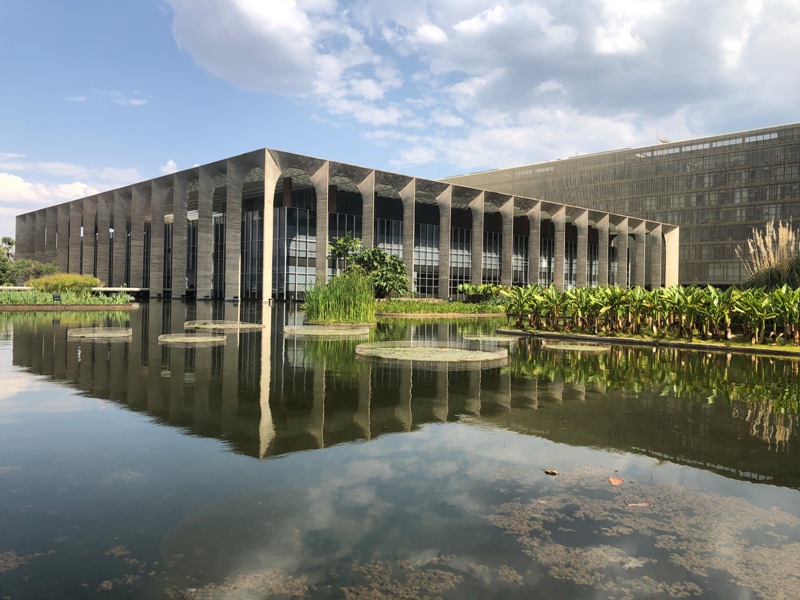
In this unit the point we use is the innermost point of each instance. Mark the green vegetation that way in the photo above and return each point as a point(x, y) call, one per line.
point(6, 260)
point(23, 270)
point(477, 293)
point(346, 298)
point(770, 386)
point(19, 271)
point(678, 312)
point(419, 307)
point(64, 282)
point(772, 259)
point(388, 272)
point(38, 297)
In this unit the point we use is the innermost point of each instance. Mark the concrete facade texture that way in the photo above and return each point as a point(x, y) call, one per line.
point(182, 234)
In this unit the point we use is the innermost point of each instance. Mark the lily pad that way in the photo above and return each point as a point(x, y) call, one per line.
point(337, 331)
point(451, 356)
point(216, 325)
point(191, 340)
point(100, 333)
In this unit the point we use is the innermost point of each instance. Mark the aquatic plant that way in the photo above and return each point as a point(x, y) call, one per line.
point(346, 298)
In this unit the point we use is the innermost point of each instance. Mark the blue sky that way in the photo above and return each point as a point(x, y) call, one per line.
point(99, 93)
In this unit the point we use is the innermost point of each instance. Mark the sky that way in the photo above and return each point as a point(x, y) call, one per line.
point(99, 94)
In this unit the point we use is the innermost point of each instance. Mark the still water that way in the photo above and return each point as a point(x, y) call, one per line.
point(278, 467)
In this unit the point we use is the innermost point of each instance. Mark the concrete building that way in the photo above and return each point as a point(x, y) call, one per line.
point(212, 231)
point(717, 189)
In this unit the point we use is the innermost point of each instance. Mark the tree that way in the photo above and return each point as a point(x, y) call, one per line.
point(23, 270)
point(342, 248)
point(6, 260)
point(388, 272)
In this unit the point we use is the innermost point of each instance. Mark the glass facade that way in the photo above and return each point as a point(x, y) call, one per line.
point(426, 260)
point(460, 258)
point(294, 267)
point(252, 264)
point(492, 252)
point(716, 189)
point(519, 261)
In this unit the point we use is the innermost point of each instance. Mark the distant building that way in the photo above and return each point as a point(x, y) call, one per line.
point(247, 227)
point(717, 189)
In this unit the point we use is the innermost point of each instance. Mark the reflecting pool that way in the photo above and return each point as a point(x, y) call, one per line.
point(277, 466)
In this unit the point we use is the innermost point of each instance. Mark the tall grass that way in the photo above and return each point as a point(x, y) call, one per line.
point(347, 298)
point(32, 297)
point(772, 258)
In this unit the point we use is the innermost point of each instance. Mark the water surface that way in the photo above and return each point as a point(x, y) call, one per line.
point(277, 467)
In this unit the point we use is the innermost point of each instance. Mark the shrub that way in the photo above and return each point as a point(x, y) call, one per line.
point(773, 257)
point(64, 282)
point(22, 270)
point(346, 298)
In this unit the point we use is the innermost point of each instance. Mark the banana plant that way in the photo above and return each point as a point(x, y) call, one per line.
point(756, 308)
point(518, 302)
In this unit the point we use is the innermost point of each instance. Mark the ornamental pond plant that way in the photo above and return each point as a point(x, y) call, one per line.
point(681, 312)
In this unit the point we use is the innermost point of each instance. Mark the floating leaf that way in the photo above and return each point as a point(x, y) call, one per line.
point(550, 472)
point(615, 481)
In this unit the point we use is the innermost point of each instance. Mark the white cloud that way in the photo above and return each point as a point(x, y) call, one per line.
point(263, 46)
point(77, 98)
point(169, 167)
point(51, 182)
point(428, 33)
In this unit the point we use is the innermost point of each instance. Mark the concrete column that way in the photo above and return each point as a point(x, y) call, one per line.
point(233, 228)
point(581, 274)
point(672, 239)
point(476, 268)
point(272, 173)
point(89, 228)
point(321, 181)
point(155, 397)
point(62, 253)
point(104, 202)
point(655, 256)
point(266, 427)
point(40, 228)
point(445, 202)
point(158, 198)
point(137, 384)
point(22, 235)
point(534, 243)
point(51, 220)
point(602, 251)
point(75, 218)
point(363, 414)
point(506, 260)
point(138, 202)
point(180, 231)
point(408, 196)
point(559, 218)
point(640, 268)
point(622, 253)
point(367, 189)
point(121, 212)
point(205, 226)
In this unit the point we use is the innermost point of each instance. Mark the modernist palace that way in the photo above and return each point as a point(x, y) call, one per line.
point(249, 227)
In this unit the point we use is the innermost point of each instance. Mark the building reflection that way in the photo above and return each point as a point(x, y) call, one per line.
point(265, 395)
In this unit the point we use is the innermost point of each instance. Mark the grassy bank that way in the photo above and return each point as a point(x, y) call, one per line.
point(417, 307)
point(37, 298)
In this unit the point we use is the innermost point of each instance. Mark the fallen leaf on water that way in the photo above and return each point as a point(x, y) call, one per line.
point(637, 504)
point(615, 481)
point(550, 471)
